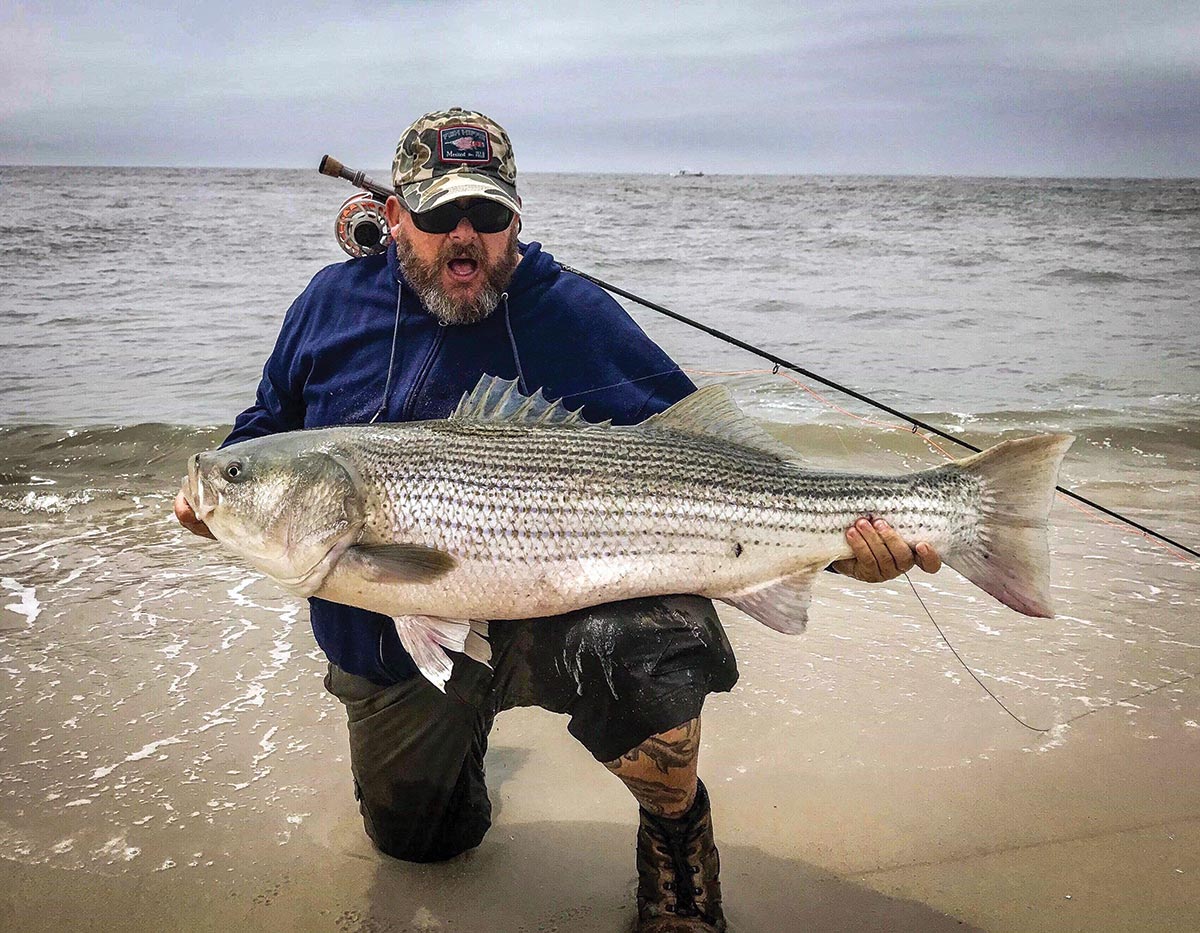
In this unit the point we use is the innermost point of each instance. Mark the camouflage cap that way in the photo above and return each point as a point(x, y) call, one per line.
point(451, 154)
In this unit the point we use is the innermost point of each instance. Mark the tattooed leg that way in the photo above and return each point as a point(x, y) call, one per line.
point(661, 772)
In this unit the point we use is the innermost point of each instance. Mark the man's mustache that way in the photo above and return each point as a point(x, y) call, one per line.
point(462, 251)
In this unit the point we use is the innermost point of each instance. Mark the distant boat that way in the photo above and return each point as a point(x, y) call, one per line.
point(684, 173)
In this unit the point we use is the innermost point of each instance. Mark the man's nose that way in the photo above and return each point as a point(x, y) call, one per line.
point(464, 230)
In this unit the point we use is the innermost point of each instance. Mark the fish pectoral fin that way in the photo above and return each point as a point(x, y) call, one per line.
point(427, 639)
point(400, 563)
point(781, 604)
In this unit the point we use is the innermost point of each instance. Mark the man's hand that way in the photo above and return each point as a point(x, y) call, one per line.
point(881, 554)
point(187, 518)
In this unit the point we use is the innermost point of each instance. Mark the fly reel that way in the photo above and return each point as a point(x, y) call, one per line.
point(361, 226)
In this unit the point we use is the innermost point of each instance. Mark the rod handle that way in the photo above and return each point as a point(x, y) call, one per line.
point(331, 166)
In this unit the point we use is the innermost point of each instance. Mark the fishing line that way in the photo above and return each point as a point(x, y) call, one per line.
point(779, 361)
point(966, 667)
point(932, 443)
point(945, 639)
point(387, 386)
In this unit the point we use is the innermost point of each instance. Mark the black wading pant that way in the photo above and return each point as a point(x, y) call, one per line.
point(623, 672)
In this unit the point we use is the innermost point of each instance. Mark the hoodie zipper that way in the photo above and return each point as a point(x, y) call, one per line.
point(410, 402)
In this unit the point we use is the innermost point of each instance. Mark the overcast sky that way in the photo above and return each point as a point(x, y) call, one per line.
point(1014, 88)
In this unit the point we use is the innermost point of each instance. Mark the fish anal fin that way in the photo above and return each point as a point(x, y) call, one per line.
point(712, 412)
point(400, 563)
point(781, 604)
point(427, 639)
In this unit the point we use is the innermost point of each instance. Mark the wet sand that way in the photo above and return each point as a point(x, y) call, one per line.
point(825, 821)
point(169, 760)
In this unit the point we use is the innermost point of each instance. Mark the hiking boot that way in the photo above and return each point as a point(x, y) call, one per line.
point(679, 888)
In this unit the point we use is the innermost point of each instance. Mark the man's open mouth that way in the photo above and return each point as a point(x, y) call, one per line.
point(462, 269)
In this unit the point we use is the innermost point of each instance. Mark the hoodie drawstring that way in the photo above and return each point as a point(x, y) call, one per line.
point(387, 386)
point(512, 342)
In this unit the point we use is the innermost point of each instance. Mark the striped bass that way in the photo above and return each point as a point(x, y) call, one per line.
point(515, 508)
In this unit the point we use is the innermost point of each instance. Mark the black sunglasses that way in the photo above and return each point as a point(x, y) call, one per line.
point(485, 216)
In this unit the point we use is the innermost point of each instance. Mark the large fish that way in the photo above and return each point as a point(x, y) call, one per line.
point(516, 508)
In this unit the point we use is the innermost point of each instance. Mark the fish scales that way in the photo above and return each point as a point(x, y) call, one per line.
point(515, 508)
point(464, 491)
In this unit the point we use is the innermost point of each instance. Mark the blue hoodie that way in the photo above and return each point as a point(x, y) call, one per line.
point(553, 331)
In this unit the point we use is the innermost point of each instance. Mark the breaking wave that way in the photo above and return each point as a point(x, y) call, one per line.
point(1072, 276)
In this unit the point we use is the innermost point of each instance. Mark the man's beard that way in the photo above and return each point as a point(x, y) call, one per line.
point(426, 279)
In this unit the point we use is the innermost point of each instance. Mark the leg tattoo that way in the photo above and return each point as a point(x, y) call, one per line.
point(661, 772)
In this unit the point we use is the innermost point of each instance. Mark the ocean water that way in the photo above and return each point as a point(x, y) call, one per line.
point(155, 696)
point(134, 296)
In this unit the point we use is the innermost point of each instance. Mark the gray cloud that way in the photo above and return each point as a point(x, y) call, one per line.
point(945, 87)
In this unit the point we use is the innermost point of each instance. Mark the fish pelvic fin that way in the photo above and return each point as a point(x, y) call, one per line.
point(428, 638)
point(712, 412)
point(781, 604)
point(1010, 558)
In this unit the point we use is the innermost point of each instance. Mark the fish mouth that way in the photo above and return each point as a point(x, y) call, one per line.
point(193, 490)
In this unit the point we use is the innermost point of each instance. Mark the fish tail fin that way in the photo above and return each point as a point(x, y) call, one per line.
point(1010, 556)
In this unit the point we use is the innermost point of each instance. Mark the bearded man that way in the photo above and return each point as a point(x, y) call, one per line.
point(401, 337)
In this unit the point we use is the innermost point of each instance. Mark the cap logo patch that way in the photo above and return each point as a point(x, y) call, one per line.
point(465, 144)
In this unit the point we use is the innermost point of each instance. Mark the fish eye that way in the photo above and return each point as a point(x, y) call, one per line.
point(234, 471)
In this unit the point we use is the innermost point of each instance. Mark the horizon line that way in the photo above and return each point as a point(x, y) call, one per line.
point(655, 174)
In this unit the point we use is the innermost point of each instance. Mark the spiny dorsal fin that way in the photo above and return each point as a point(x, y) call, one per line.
point(712, 412)
point(496, 399)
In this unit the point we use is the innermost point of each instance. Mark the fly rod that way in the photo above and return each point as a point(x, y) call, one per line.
point(781, 363)
point(332, 167)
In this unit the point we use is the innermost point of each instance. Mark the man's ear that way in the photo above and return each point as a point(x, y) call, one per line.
point(393, 212)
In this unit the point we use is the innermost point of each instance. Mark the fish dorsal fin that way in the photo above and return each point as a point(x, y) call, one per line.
point(501, 400)
point(712, 412)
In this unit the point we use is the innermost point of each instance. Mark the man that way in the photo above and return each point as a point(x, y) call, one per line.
point(401, 337)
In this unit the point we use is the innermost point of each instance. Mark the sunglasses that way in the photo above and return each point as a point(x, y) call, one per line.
point(485, 216)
